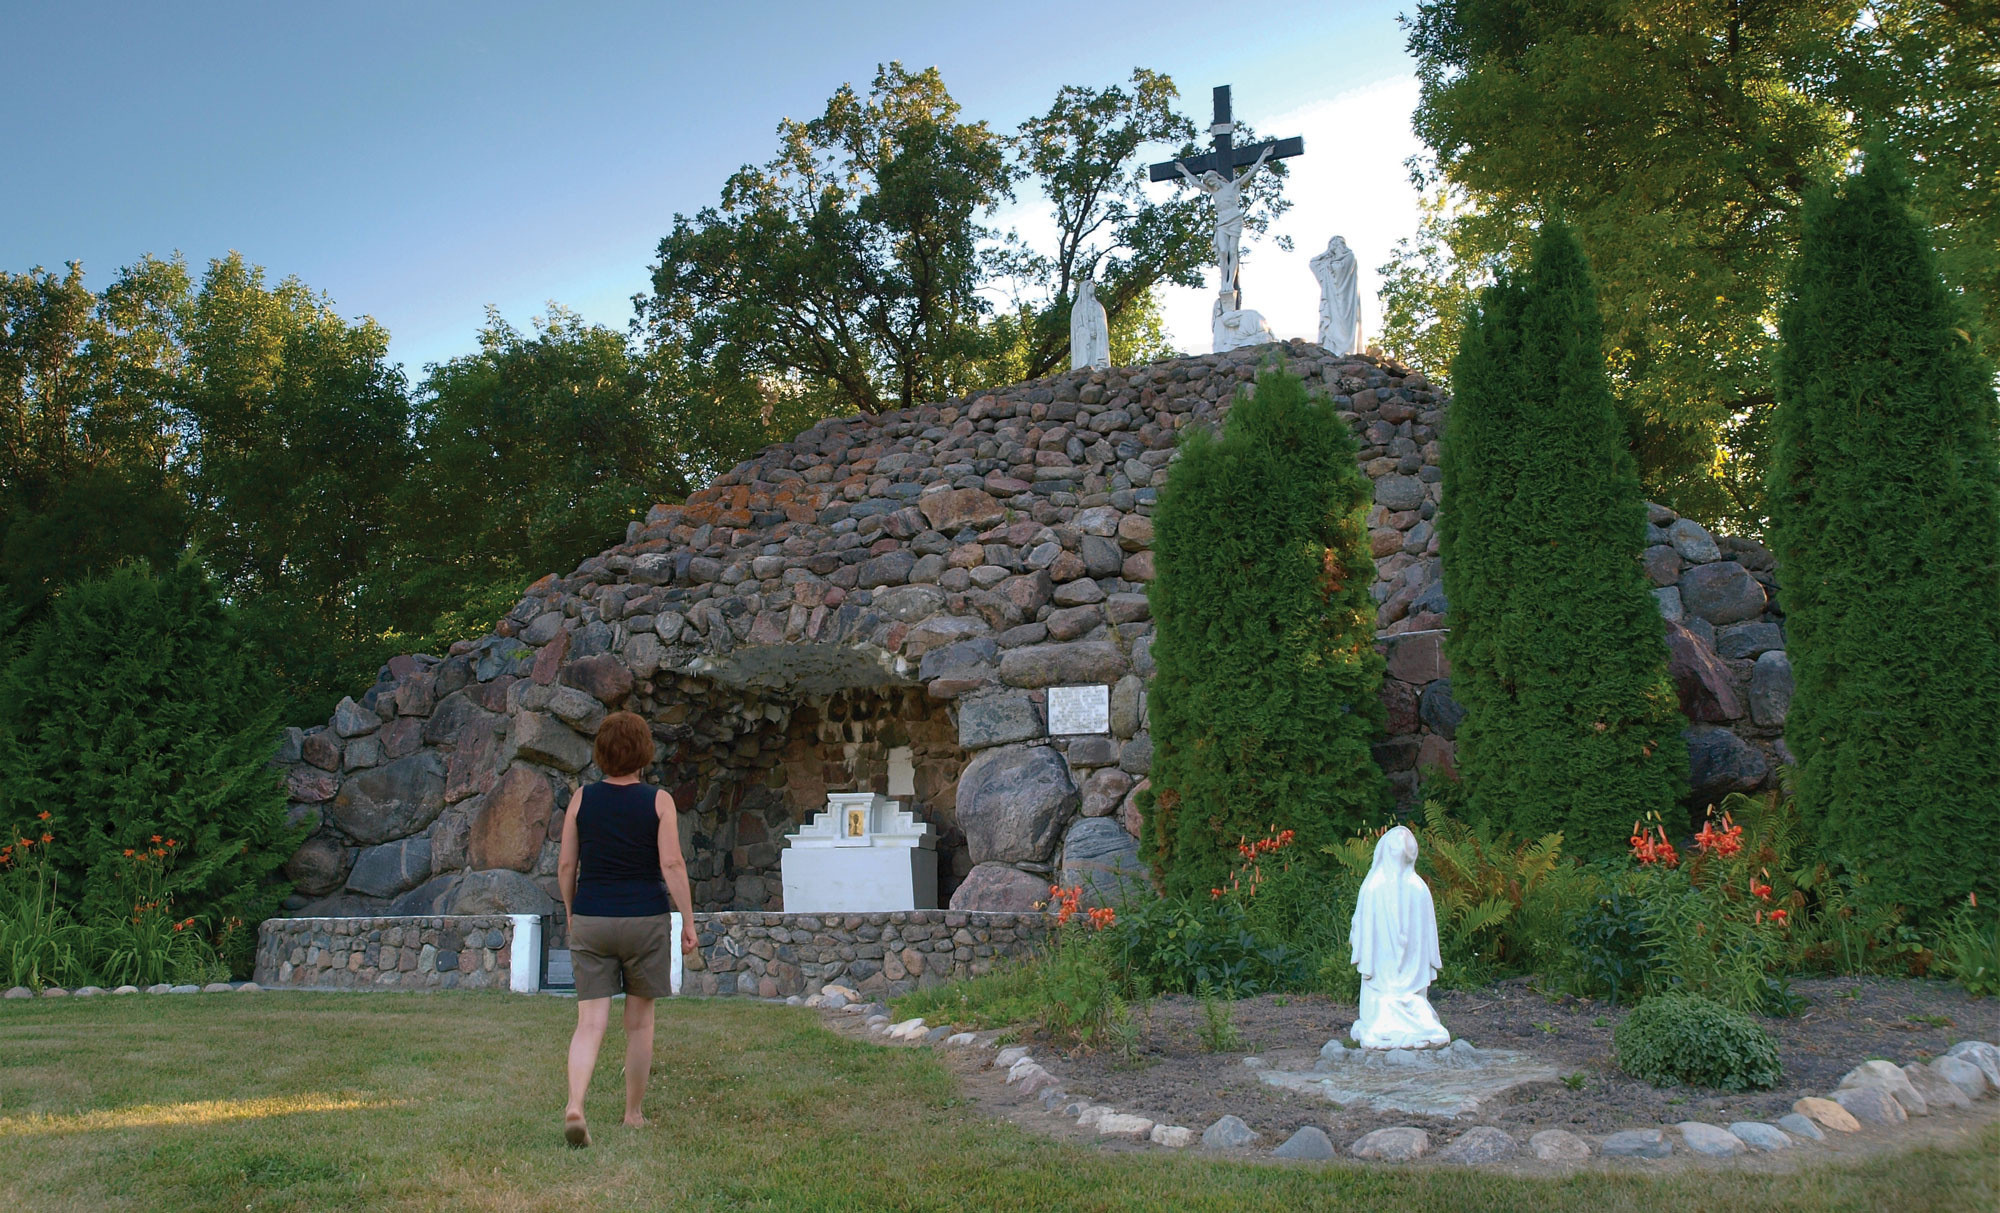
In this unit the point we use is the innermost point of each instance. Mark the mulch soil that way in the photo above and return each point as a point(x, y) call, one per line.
point(1176, 1080)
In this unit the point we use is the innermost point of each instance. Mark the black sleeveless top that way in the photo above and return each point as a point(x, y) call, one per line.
point(618, 852)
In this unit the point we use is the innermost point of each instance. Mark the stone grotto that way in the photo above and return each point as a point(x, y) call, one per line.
point(882, 604)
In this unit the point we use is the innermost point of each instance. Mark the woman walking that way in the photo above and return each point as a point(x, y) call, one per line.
point(621, 856)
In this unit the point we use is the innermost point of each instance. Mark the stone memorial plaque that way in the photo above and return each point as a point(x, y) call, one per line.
point(1075, 710)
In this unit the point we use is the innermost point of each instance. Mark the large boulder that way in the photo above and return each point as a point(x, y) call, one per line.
point(429, 897)
point(603, 677)
point(1771, 689)
point(1723, 592)
point(1720, 762)
point(539, 737)
point(997, 887)
point(951, 510)
point(1706, 690)
point(991, 720)
point(1042, 665)
point(1439, 710)
point(391, 801)
point(1101, 858)
point(392, 868)
point(512, 821)
point(1013, 802)
point(319, 867)
point(498, 892)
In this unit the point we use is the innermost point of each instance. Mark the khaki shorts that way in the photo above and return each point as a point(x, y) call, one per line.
point(623, 956)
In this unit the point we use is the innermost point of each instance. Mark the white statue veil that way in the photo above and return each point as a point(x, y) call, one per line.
point(1393, 942)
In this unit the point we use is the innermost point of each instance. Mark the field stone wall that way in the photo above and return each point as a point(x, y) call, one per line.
point(911, 581)
point(430, 953)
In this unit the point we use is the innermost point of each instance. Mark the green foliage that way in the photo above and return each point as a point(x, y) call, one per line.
point(1266, 699)
point(1679, 140)
point(1885, 503)
point(88, 437)
point(1178, 945)
point(1611, 947)
point(1968, 949)
point(41, 943)
point(1077, 991)
point(135, 712)
point(1671, 1039)
point(1218, 1029)
point(300, 432)
point(1572, 724)
point(848, 267)
point(1704, 941)
point(1500, 903)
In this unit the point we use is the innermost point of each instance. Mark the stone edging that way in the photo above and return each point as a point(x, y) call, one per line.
point(1875, 1093)
point(213, 987)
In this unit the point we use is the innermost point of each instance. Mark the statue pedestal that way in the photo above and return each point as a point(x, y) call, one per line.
point(861, 854)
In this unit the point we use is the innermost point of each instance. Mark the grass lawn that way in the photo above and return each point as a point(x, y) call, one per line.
point(317, 1101)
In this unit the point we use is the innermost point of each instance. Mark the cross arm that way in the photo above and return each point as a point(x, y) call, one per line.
point(1239, 157)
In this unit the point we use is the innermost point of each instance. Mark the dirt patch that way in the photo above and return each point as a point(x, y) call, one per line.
point(1177, 1080)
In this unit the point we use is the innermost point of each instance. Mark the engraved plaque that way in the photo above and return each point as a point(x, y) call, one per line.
point(1079, 710)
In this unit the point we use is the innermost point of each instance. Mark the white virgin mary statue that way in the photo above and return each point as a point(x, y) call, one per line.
point(1394, 943)
point(1089, 331)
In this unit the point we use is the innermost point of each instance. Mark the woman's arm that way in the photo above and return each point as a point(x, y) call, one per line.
point(673, 866)
point(567, 854)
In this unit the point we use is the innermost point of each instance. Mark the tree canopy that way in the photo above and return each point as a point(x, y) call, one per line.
point(855, 271)
point(1678, 140)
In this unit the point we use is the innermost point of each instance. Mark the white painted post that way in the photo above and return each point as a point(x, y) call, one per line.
point(679, 961)
point(525, 957)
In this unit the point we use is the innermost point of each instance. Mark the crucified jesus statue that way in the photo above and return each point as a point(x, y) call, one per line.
point(1227, 194)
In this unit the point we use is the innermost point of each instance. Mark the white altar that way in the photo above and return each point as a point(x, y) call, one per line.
point(860, 854)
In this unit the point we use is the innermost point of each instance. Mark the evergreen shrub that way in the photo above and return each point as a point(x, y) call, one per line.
point(1885, 516)
point(1671, 1039)
point(133, 717)
point(1556, 646)
point(1267, 695)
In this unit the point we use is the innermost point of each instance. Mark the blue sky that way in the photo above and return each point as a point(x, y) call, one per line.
point(418, 161)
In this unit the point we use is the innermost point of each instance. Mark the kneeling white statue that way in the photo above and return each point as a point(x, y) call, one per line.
point(1394, 941)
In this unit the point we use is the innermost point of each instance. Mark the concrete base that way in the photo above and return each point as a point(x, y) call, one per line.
point(859, 880)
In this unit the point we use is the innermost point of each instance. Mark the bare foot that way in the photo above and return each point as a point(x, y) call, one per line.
point(575, 1131)
point(637, 1122)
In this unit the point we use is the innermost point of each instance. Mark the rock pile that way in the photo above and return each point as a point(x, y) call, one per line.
point(890, 598)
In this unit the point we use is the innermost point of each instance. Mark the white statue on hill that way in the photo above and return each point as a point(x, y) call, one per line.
point(1089, 330)
point(1237, 327)
point(1339, 298)
point(1394, 942)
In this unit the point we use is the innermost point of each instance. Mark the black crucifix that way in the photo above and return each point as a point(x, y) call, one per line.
point(1215, 175)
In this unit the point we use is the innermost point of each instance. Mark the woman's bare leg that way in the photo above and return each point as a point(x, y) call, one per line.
point(638, 1055)
point(592, 1014)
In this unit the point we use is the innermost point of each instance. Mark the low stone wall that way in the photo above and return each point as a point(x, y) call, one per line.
point(748, 953)
point(457, 952)
point(778, 955)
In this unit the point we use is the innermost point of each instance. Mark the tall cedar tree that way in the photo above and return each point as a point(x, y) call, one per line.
point(1268, 691)
point(1885, 497)
point(1556, 645)
point(135, 708)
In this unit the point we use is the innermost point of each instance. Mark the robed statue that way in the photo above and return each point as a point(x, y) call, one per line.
point(1339, 298)
point(1394, 943)
point(1089, 330)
